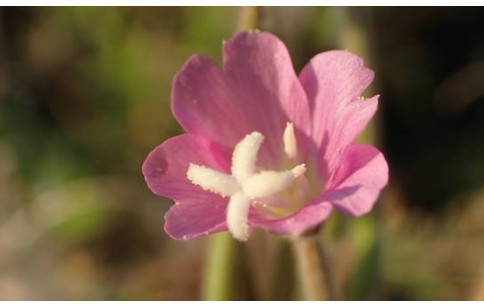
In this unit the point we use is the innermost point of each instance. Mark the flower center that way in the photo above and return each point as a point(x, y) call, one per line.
point(267, 189)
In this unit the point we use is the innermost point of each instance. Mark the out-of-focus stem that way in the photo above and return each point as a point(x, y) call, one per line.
point(218, 271)
point(314, 269)
point(249, 18)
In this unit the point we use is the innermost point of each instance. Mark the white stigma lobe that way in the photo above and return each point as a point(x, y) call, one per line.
point(212, 180)
point(244, 185)
point(245, 156)
point(237, 214)
point(268, 183)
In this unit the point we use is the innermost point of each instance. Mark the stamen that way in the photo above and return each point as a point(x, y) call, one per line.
point(212, 180)
point(245, 155)
point(302, 188)
point(298, 170)
point(289, 139)
point(268, 183)
point(237, 216)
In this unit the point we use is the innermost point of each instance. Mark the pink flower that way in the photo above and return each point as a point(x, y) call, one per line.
point(266, 148)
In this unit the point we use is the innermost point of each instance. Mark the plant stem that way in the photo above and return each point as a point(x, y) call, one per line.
point(249, 18)
point(314, 270)
point(218, 282)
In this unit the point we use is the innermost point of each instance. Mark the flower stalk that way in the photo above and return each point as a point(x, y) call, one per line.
point(314, 270)
point(249, 18)
point(218, 284)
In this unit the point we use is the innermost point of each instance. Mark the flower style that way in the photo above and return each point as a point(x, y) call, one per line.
point(266, 148)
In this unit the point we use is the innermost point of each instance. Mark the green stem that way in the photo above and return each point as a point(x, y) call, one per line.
point(314, 269)
point(218, 282)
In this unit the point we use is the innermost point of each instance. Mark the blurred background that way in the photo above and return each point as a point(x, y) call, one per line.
point(84, 97)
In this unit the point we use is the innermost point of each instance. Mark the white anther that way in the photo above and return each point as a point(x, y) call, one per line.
point(269, 183)
point(289, 139)
point(237, 216)
point(212, 180)
point(245, 156)
point(298, 170)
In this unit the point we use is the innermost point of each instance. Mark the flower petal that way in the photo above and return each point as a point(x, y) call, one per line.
point(195, 217)
point(165, 168)
point(352, 121)
point(333, 82)
point(357, 183)
point(257, 90)
point(306, 218)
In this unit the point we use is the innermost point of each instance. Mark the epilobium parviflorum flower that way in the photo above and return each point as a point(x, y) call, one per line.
point(264, 147)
